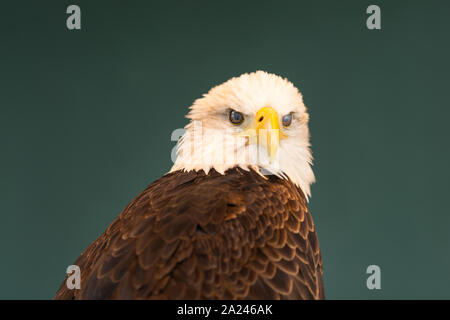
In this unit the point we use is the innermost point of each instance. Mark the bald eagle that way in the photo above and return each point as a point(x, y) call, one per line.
point(230, 220)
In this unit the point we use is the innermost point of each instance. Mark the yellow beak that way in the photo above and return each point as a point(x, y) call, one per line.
point(267, 130)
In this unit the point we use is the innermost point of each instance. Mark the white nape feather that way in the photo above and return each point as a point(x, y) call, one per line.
point(219, 145)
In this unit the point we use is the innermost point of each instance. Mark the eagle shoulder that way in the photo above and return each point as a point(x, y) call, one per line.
point(191, 235)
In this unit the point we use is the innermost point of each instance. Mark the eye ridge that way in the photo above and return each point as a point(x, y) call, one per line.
point(236, 117)
point(287, 120)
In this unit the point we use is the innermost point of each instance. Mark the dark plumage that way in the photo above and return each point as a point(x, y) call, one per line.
point(191, 235)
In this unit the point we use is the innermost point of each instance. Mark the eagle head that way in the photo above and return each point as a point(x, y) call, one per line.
point(254, 121)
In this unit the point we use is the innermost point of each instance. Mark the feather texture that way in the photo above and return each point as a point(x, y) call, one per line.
point(191, 235)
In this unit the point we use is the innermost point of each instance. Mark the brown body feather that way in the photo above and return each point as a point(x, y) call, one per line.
point(195, 236)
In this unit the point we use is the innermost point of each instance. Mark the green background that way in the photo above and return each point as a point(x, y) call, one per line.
point(86, 119)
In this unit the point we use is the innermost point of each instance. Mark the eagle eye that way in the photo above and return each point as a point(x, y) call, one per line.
point(236, 117)
point(287, 120)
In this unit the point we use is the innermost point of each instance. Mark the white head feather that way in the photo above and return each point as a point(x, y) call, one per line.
point(220, 145)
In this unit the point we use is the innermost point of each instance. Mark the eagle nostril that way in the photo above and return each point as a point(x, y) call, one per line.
point(261, 119)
